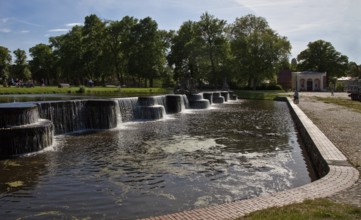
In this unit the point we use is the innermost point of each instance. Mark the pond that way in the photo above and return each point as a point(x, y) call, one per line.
point(188, 160)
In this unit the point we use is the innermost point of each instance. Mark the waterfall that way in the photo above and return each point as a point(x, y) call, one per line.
point(18, 114)
point(66, 115)
point(28, 127)
point(77, 115)
point(22, 131)
point(185, 101)
point(225, 95)
point(174, 104)
point(127, 108)
point(148, 108)
point(100, 114)
point(196, 101)
point(118, 113)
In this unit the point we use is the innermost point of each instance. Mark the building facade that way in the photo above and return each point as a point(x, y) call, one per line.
point(303, 81)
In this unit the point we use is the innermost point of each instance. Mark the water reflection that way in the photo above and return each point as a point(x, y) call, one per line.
point(231, 152)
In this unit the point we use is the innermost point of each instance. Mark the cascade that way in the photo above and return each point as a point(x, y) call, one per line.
point(208, 96)
point(217, 98)
point(127, 107)
point(225, 95)
point(232, 96)
point(18, 114)
point(77, 115)
point(196, 101)
point(174, 103)
point(100, 114)
point(149, 109)
point(21, 130)
point(65, 115)
point(185, 101)
point(28, 127)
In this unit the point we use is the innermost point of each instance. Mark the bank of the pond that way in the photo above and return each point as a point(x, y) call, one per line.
point(111, 91)
point(260, 94)
point(339, 177)
point(338, 118)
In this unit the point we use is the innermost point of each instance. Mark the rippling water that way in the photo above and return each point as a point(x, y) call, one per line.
point(194, 159)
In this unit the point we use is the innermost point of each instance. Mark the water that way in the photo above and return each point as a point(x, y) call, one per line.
point(193, 159)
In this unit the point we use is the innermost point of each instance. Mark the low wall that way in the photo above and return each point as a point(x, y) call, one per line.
point(319, 163)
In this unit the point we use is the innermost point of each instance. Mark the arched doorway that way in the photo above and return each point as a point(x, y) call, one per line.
point(309, 85)
point(317, 85)
point(302, 85)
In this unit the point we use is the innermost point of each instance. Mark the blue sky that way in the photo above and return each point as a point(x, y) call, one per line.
point(25, 23)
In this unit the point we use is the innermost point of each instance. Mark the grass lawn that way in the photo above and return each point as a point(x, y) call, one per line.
point(310, 209)
point(355, 105)
point(75, 90)
point(259, 94)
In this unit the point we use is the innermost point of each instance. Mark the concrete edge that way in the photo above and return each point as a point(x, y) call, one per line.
point(335, 173)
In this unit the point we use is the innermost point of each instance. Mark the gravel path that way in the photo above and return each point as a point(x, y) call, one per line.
point(343, 127)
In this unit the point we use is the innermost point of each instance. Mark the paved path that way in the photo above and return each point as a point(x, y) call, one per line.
point(343, 127)
point(341, 177)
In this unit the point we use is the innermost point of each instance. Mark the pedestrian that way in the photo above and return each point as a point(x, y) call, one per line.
point(296, 97)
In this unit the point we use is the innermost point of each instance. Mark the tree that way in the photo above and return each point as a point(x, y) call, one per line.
point(93, 47)
point(68, 53)
point(118, 34)
point(321, 56)
point(20, 67)
point(42, 63)
point(211, 32)
point(294, 64)
point(5, 63)
point(354, 70)
point(146, 51)
point(185, 53)
point(258, 50)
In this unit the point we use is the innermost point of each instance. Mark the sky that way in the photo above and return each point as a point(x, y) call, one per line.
point(25, 23)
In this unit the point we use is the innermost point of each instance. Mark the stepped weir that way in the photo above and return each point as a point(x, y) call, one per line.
point(30, 127)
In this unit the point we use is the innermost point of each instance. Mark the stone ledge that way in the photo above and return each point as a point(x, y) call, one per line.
point(339, 176)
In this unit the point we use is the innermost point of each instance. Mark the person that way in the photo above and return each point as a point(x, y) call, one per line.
point(296, 97)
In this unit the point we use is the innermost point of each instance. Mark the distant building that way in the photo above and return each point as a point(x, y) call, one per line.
point(302, 81)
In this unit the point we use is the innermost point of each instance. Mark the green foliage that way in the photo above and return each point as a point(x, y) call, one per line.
point(355, 105)
point(321, 56)
point(72, 90)
point(81, 90)
point(42, 63)
point(258, 51)
point(259, 94)
point(354, 70)
point(207, 53)
point(20, 69)
point(309, 209)
point(5, 61)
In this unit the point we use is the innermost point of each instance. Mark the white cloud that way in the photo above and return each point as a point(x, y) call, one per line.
point(73, 24)
point(58, 30)
point(4, 20)
point(24, 31)
point(5, 30)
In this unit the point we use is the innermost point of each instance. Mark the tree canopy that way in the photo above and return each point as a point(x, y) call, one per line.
point(257, 49)
point(135, 52)
point(321, 56)
point(5, 63)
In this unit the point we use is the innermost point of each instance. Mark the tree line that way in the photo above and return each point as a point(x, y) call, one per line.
point(135, 52)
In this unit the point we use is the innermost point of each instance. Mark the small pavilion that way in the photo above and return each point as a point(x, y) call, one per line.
point(303, 81)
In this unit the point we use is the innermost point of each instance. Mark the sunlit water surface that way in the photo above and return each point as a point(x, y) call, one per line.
point(190, 160)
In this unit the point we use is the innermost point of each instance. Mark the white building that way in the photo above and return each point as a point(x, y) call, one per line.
point(309, 81)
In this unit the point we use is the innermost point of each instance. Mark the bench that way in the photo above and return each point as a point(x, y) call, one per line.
point(62, 85)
